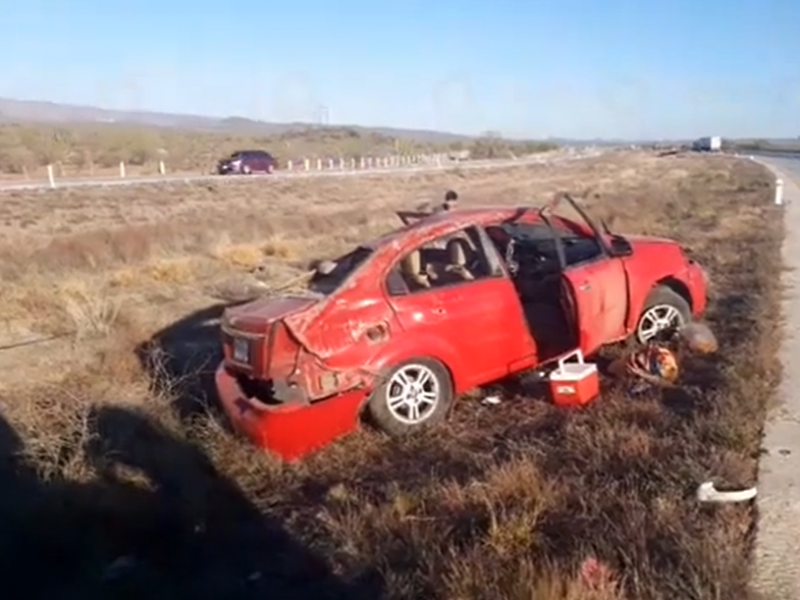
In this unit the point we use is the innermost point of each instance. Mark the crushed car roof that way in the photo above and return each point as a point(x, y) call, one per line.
point(444, 222)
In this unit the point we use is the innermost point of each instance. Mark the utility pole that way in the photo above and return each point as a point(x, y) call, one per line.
point(323, 116)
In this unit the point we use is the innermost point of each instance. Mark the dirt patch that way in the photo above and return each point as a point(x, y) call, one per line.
point(123, 486)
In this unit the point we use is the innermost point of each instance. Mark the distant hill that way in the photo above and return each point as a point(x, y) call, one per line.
point(40, 111)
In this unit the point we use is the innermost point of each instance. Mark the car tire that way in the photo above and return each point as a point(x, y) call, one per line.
point(246, 170)
point(662, 305)
point(391, 406)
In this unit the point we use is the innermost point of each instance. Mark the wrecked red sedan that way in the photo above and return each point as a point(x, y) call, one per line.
point(395, 329)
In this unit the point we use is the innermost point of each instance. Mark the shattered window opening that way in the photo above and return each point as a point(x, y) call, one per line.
point(328, 282)
point(537, 238)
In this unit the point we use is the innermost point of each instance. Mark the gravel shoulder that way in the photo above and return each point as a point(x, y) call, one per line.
point(777, 575)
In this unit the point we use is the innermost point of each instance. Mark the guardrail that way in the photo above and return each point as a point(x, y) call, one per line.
point(315, 167)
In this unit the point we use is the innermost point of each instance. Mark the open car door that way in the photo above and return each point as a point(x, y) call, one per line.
point(595, 278)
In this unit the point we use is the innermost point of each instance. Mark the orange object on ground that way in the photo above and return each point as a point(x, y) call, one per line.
point(654, 363)
point(292, 431)
point(574, 383)
point(699, 338)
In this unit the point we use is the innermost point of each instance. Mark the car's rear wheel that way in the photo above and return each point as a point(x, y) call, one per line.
point(663, 309)
point(415, 395)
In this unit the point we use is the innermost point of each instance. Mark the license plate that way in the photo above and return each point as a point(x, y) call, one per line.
point(241, 350)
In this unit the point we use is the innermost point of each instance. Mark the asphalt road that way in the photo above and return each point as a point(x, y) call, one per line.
point(777, 572)
point(466, 165)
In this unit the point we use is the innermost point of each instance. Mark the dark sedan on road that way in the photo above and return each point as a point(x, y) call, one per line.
point(245, 162)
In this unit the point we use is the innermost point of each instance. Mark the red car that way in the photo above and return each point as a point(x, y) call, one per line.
point(395, 329)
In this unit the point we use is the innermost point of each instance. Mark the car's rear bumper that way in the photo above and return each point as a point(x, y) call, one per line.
point(292, 431)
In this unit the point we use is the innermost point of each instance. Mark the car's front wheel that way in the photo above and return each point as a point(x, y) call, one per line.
point(663, 309)
point(415, 395)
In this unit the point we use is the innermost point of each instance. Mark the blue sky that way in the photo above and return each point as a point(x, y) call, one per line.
point(571, 68)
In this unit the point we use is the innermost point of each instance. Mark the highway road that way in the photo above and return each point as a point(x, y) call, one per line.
point(402, 170)
point(781, 155)
point(777, 573)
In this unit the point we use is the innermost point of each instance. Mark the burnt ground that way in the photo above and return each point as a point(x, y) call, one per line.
point(120, 491)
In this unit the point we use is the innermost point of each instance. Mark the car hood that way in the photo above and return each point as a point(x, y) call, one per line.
point(256, 316)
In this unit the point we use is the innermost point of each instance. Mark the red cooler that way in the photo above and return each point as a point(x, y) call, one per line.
point(574, 383)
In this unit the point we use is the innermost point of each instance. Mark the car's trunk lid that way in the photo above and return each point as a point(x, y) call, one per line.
point(255, 317)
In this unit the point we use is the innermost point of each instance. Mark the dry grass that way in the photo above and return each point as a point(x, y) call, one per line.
point(119, 488)
point(96, 150)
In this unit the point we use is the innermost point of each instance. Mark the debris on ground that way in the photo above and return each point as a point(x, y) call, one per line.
point(653, 363)
point(597, 576)
point(491, 399)
point(698, 337)
point(708, 493)
point(658, 362)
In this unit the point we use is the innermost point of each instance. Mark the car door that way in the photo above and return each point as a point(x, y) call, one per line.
point(269, 162)
point(262, 164)
point(599, 292)
point(479, 320)
point(597, 281)
point(251, 160)
point(245, 162)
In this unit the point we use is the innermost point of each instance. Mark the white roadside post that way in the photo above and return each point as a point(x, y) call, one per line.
point(50, 177)
point(779, 192)
point(122, 169)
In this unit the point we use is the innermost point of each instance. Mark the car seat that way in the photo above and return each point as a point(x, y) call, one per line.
point(458, 254)
point(413, 273)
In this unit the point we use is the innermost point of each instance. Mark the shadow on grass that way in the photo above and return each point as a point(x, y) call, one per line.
point(181, 360)
point(157, 521)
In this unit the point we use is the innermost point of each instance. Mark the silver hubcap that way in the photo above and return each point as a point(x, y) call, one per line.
point(412, 394)
point(658, 318)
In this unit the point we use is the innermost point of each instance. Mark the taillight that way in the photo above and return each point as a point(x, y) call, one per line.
point(240, 350)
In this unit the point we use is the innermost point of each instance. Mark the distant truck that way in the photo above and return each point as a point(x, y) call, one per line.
point(708, 144)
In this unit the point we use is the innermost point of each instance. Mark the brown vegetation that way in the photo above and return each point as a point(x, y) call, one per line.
point(93, 150)
point(114, 483)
